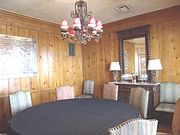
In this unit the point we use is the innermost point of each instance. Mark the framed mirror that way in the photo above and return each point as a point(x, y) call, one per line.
point(135, 52)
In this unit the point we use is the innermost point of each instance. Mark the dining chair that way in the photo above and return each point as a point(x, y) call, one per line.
point(110, 91)
point(139, 98)
point(175, 121)
point(88, 89)
point(19, 101)
point(137, 126)
point(166, 97)
point(65, 92)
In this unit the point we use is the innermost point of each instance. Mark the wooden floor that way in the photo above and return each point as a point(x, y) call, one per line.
point(164, 126)
point(165, 123)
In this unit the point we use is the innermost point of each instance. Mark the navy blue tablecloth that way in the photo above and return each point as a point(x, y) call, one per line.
point(72, 117)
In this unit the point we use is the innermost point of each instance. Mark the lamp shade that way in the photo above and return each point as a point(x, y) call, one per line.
point(92, 23)
point(154, 64)
point(115, 66)
point(64, 25)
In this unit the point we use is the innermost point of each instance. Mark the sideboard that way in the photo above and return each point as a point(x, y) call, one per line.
point(125, 87)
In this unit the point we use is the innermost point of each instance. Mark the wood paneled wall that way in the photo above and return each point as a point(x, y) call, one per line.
point(165, 44)
point(55, 68)
point(97, 58)
point(92, 61)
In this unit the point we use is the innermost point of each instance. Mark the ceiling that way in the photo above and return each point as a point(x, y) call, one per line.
point(56, 10)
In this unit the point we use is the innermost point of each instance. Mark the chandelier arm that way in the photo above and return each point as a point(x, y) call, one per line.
point(73, 14)
point(89, 13)
point(64, 36)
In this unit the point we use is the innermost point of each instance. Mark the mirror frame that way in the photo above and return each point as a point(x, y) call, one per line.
point(142, 31)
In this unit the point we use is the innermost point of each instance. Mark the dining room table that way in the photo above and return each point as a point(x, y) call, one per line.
point(78, 116)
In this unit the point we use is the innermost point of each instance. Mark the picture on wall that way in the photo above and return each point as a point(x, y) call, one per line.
point(17, 57)
point(71, 49)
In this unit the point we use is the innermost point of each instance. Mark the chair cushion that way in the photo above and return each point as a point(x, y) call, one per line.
point(88, 87)
point(85, 96)
point(166, 107)
point(169, 92)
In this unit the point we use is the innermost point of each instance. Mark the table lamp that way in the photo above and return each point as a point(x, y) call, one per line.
point(115, 67)
point(154, 65)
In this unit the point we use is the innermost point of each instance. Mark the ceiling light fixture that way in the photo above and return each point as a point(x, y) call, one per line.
point(85, 27)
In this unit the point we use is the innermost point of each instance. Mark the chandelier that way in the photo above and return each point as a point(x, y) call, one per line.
point(85, 27)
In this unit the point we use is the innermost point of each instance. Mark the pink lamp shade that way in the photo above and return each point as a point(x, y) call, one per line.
point(98, 25)
point(77, 24)
point(92, 23)
point(64, 26)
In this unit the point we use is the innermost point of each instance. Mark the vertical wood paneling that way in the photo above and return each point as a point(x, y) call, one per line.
point(107, 58)
point(51, 61)
point(43, 42)
point(78, 70)
point(4, 114)
point(24, 82)
point(14, 84)
point(3, 29)
point(165, 44)
point(174, 42)
point(4, 84)
point(52, 95)
point(65, 61)
point(70, 70)
point(85, 62)
point(165, 49)
point(93, 68)
point(114, 47)
point(100, 63)
point(36, 98)
point(4, 88)
point(54, 67)
point(35, 80)
point(59, 61)
point(45, 97)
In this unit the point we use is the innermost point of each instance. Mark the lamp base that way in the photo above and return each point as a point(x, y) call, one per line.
point(154, 78)
point(115, 76)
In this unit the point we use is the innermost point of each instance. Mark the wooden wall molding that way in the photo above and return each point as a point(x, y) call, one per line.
point(27, 18)
point(7, 18)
